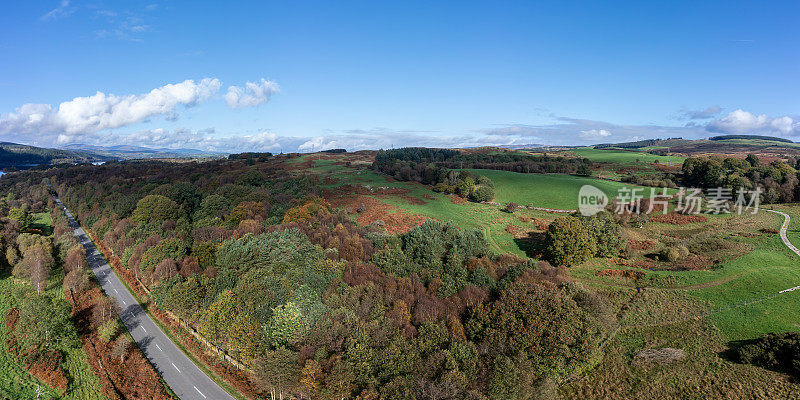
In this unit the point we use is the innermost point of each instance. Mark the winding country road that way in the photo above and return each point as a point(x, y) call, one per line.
point(784, 229)
point(785, 238)
point(185, 379)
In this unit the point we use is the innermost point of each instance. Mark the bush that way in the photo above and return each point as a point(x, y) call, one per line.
point(605, 233)
point(673, 254)
point(482, 193)
point(778, 351)
point(511, 207)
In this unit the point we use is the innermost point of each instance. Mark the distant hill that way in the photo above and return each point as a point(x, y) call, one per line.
point(751, 137)
point(642, 143)
point(21, 155)
point(126, 152)
point(731, 145)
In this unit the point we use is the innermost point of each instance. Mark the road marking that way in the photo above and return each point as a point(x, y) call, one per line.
point(159, 347)
point(115, 290)
point(198, 391)
point(179, 371)
point(145, 330)
point(123, 302)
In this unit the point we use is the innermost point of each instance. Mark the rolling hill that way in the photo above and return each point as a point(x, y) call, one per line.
point(20, 155)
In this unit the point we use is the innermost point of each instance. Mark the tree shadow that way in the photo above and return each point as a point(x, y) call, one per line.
point(532, 245)
point(731, 354)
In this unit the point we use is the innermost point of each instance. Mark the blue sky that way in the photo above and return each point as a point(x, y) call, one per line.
point(379, 74)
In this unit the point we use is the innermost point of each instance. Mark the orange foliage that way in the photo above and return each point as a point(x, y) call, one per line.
point(313, 206)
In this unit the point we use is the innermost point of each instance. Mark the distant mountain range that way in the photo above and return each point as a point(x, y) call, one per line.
point(21, 155)
point(126, 152)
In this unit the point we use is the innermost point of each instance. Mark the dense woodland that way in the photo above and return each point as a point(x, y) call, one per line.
point(417, 164)
point(422, 164)
point(778, 180)
point(319, 307)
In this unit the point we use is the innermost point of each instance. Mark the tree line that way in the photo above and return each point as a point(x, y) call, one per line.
point(778, 179)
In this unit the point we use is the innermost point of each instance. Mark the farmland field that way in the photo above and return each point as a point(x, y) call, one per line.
point(548, 191)
point(623, 156)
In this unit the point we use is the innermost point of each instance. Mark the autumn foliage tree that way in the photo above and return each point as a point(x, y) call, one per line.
point(76, 259)
point(311, 207)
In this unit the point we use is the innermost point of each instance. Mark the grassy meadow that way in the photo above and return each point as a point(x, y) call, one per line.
point(623, 156)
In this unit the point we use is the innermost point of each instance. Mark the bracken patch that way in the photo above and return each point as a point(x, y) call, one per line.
point(677, 219)
point(621, 273)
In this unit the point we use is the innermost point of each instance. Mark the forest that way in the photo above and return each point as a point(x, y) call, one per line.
point(319, 307)
point(777, 180)
point(427, 165)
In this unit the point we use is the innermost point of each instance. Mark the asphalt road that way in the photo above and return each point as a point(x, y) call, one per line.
point(180, 373)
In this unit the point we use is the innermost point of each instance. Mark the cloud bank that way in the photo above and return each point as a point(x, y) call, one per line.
point(594, 134)
point(743, 122)
point(94, 119)
point(252, 94)
point(85, 115)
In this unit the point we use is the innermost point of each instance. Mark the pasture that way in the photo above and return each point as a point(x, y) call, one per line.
point(622, 156)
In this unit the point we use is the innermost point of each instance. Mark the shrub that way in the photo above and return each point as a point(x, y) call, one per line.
point(673, 254)
point(511, 207)
point(605, 233)
point(779, 351)
point(482, 193)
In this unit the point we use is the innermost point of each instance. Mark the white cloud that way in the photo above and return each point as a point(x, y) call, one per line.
point(252, 94)
point(744, 122)
point(323, 143)
point(594, 134)
point(62, 10)
point(85, 115)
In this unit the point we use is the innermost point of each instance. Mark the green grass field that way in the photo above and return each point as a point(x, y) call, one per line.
point(623, 156)
point(767, 268)
point(541, 190)
point(546, 190)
